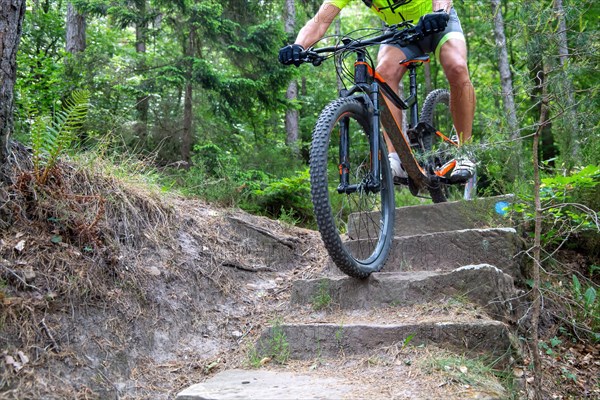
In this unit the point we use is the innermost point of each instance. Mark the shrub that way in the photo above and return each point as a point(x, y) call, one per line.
point(291, 194)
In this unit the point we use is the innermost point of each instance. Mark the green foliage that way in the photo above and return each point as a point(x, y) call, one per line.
point(569, 203)
point(287, 217)
point(278, 346)
point(218, 175)
point(407, 340)
point(322, 299)
point(291, 193)
point(275, 348)
point(52, 138)
point(587, 310)
point(476, 372)
point(550, 346)
point(253, 357)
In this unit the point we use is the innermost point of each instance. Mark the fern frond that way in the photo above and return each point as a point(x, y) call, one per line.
point(52, 139)
point(38, 137)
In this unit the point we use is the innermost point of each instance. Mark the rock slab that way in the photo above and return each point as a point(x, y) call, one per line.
point(482, 284)
point(307, 341)
point(239, 384)
point(446, 251)
point(488, 212)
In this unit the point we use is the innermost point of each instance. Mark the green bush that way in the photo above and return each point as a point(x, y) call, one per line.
point(214, 160)
point(569, 205)
point(570, 222)
point(289, 194)
point(217, 176)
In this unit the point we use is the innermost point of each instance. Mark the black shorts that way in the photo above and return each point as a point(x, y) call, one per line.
point(433, 43)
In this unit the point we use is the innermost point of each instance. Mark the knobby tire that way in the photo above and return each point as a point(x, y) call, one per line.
point(356, 228)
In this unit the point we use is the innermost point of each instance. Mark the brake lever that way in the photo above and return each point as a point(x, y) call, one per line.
point(312, 57)
point(407, 36)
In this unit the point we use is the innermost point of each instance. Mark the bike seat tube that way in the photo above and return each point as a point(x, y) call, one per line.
point(414, 111)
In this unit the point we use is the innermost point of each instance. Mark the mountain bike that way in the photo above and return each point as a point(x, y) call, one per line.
point(352, 187)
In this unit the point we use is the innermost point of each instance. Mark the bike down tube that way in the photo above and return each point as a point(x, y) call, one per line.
point(401, 145)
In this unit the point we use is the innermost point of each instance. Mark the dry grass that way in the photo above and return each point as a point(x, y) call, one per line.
point(111, 288)
point(67, 246)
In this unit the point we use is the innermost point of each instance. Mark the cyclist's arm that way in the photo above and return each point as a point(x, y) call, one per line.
point(445, 5)
point(315, 28)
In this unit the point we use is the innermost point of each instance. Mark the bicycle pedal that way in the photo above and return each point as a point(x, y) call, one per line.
point(445, 169)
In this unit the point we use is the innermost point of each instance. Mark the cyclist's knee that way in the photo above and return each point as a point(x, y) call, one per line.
point(388, 65)
point(457, 72)
point(390, 70)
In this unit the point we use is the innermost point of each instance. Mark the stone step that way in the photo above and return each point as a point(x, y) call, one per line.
point(479, 213)
point(239, 384)
point(329, 340)
point(446, 251)
point(483, 284)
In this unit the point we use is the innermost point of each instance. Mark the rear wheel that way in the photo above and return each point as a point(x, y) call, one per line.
point(356, 224)
point(436, 112)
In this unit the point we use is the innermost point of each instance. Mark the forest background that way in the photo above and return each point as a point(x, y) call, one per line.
point(189, 96)
point(193, 89)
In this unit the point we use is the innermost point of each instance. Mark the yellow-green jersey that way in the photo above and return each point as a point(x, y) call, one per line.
point(394, 12)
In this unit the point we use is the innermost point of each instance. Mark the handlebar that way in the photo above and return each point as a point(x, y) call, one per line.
point(392, 35)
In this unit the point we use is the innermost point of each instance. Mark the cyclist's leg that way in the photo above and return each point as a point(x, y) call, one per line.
point(388, 66)
point(453, 58)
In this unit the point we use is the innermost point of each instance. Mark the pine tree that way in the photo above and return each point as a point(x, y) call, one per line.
point(12, 13)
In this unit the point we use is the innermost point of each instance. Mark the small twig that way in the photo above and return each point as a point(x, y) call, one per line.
point(19, 278)
point(287, 241)
point(309, 249)
point(245, 334)
point(245, 267)
point(47, 331)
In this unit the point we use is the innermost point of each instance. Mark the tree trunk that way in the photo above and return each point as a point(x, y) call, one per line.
point(11, 22)
point(291, 115)
point(537, 247)
point(186, 139)
point(142, 102)
point(75, 42)
point(504, 68)
point(187, 133)
point(568, 138)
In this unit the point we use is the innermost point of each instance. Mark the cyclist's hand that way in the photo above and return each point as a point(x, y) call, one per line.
point(434, 22)
point(290, 54)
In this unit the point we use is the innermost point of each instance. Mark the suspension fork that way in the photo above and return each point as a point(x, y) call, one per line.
point(371, 183)
point(374, 140)
point(344, 151)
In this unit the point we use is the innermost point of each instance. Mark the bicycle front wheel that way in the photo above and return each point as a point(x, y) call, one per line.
point(356, 224)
